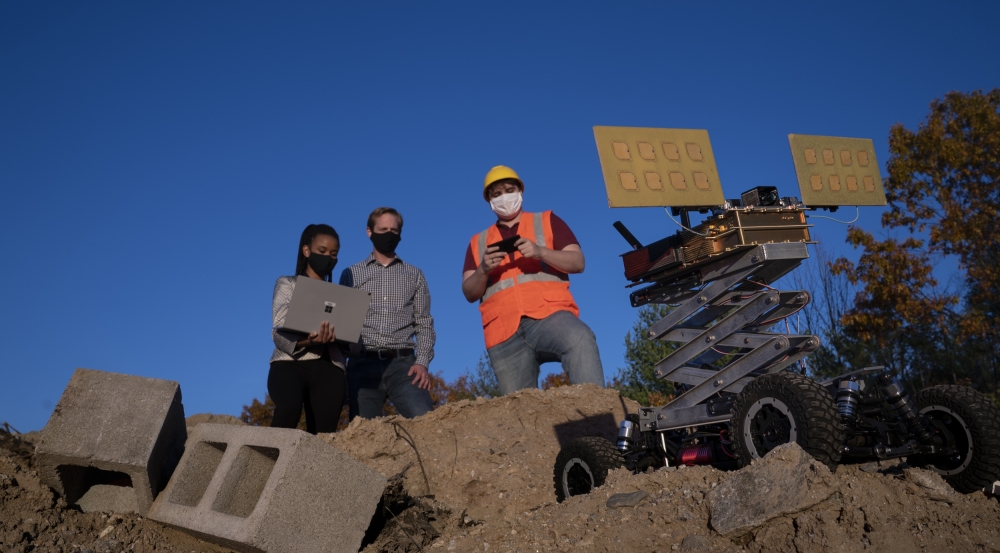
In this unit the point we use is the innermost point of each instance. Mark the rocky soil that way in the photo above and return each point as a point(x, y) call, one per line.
point(477, 476)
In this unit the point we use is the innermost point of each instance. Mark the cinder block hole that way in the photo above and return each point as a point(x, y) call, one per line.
point(246, 480)
point(201, 465)
point(77, 479)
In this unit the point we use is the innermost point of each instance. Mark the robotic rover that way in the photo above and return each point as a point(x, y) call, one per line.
point(737, 400)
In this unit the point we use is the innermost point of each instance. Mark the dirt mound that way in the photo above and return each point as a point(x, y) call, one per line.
point(878, 511)
point(18, 446)
point(488, 465)
point(477, 476)
point(492, 458)
point(33, 519)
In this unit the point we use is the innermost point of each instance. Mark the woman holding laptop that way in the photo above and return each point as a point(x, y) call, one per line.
point(307, 370)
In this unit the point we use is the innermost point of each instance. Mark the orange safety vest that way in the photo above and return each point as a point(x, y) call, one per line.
point(521, 287)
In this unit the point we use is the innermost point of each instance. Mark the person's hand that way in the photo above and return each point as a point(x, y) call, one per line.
point(528, 248)
point(491, 259)
point(325, 335)
point(422, 380)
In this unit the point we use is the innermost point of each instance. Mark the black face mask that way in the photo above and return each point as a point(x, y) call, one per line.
point(322, 264)
point(386, 242)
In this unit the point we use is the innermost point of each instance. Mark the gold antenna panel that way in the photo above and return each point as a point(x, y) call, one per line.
point(834, 171)
point(646, 167)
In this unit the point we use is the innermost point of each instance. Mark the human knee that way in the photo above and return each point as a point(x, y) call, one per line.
point(512, 377)
point(411, 401)
point(581, 331)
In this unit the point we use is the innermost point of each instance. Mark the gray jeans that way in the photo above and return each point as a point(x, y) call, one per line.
point(371, 381)
point(559, 337)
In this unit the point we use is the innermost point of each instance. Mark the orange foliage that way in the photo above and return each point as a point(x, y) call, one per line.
point(261, 414)
point(943, 180)
point(554, 380)
point(897, 288)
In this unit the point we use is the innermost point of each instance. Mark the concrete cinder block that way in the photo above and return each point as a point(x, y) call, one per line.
point(112, 430)
point(274, 490)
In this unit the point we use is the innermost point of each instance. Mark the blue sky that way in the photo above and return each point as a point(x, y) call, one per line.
point(159, 160)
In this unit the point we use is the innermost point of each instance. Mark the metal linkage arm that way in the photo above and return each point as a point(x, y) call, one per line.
point(728, 315)
point(670, 415)
point(762, 302)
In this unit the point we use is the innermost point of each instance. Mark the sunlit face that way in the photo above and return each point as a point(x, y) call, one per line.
point(502, 187)
point(322, 245)
point(387, 222)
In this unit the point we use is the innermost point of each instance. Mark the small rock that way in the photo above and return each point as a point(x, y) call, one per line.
point(870, 467)
point(626, 499)
point(930, 481)
point(105, 532)
point(693, 542)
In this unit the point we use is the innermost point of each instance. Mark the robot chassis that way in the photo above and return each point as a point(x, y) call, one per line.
point(736, 402)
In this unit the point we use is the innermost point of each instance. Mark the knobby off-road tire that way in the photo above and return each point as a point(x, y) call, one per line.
point(974, 424)
point(583, 465)
point(784, 407)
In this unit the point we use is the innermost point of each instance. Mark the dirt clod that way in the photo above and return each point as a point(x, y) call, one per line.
point(626, 499)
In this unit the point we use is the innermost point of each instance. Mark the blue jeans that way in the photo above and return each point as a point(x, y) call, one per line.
point(559, 337)
point(371, 381)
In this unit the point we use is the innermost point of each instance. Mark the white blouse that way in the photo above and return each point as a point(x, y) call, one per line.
point(285, 347)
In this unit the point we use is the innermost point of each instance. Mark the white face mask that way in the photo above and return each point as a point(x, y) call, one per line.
point(506, 206)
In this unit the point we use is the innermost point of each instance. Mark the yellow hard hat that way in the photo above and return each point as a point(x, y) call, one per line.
point(500, 172)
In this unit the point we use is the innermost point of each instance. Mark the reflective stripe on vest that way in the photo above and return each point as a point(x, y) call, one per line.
point(538, 226)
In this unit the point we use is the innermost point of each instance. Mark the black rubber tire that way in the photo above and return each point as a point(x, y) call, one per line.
point(776, 408)
point(974, 422)
point(583, 465)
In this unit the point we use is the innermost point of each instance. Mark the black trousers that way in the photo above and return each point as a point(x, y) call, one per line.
point(317, 384)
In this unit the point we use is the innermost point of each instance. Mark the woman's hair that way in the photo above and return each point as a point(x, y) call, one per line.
point(311, 232)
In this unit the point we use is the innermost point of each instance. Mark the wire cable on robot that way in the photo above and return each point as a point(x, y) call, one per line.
point(667, 211)
point(856, 215)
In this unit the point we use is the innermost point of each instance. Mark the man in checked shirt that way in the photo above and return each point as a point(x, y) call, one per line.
point(386, 364)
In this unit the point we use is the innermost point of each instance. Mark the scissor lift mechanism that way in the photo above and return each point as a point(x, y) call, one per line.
point(733, 293)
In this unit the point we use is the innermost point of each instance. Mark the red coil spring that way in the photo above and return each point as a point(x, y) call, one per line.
point(696, 455)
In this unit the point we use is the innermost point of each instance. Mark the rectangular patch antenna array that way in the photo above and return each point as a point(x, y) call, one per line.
point(650, 167)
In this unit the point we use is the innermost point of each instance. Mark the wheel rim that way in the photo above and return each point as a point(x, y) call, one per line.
point(959, 431)
point(768, 424)
point(577, 478)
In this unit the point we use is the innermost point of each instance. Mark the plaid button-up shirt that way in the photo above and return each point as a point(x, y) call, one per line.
point(400, 308)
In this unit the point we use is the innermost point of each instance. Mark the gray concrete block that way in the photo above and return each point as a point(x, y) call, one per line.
point(274, 490)
point(112, 429)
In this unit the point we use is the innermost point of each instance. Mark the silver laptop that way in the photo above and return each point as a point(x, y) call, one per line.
point(315, 301)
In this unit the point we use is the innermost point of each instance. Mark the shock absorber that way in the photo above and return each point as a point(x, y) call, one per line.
point(626, 435)
point(899, 400)
point(848, 396)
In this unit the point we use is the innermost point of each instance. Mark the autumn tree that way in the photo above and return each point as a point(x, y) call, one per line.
point(479, 382)
point(943, 189)
point(832, 295)
point(554, 380)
